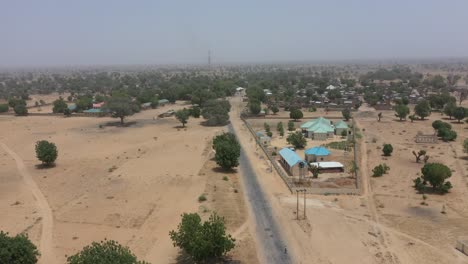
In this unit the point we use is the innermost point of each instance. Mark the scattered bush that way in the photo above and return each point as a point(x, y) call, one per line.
point(296, 114)
point(291, 126)
point(380, 170)
point(202, 198)
point(387, 150)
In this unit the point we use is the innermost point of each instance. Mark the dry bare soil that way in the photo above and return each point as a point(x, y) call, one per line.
point(128, 183)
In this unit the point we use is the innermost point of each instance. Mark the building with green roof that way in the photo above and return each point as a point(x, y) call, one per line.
point(322, 128)
point(341, 126)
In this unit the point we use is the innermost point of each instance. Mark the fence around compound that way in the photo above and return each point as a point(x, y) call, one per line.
point(292, 186)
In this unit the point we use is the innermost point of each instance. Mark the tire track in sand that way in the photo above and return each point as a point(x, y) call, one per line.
point(46, 245)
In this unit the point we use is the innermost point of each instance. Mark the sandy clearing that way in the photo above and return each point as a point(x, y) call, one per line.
point(46, 244)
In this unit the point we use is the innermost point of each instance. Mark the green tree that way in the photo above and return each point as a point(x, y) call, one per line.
point(4, 108)
point(216, 112)
point(447, 134)
point(459, 113)
point(120, 105)
point(465, 145)
point(21, 110)
point(46, 152)
point(297, 139)
point(195, 111)
point(401, 111)
point(274, 109)
point(291, 126)
point(423, 109)
point(17, 249)
point(296, 114)
point(227, 150)
point(280, 128)
point(438, 124)
point(255, 107)
point(202, 241)
point(104, 252)
point(59, 106)
point(387, 150)
point(182, 115)
point(346, 114)
point(436, 175)
point(13, 102)
point(67, 112)
point(449, 109)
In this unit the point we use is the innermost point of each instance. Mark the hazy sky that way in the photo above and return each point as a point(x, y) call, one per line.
point(43, 32)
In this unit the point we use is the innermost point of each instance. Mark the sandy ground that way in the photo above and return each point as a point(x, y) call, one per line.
point(386, 224)
point(130, 184)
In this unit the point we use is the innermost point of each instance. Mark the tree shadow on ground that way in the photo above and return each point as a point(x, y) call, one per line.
point(221, 170)
point(205, 123)
point(180, 127)
point(43, 166)
point(118, 124)
point(430, 190)
point(184, 258)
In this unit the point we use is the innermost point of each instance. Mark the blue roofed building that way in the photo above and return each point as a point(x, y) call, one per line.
point(292, 163)
point(322, 128)
point(319, 153)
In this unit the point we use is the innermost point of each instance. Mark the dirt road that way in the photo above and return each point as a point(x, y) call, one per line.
point(46, 247)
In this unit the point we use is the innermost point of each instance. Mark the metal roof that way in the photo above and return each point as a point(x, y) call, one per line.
point(290, 156)
point(327, 164)
point(341, 124)
point(317, 151)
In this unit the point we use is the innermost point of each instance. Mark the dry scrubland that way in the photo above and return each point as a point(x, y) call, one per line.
point(387, 223)
point(130, 183)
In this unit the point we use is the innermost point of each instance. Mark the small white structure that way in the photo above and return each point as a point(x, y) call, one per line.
point(331, 87)
point(328, 166)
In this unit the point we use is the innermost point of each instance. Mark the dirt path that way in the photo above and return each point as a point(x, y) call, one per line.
point(46, 247)
point(389, 257)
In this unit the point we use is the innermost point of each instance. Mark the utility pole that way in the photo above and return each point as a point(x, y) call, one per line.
point(305, 217)
point(297, 205)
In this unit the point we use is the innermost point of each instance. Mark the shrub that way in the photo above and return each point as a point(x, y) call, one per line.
point(46, 152)
point(104, 252)
point(447, 134)
point(202, 198)
point(380, 170)
point(17, 249)
point(387, 150)
point(346, 114)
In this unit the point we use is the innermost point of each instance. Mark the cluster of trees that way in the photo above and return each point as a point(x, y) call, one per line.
point(227, 150)
point(444, 130)
point(216, 112)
